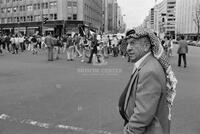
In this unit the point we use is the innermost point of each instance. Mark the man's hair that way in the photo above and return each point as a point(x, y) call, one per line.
point(48, 33)
point(168, 37)
point(182, 37)
point(146, 41)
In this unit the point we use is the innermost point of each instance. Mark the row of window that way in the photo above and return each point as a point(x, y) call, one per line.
point(72, 4)
point(97, 3)
point(170, 27)
point(7, 1)
point(171, 15)
point(90, 19)
point(28, 18)
point(72, 10)
point(29, 7)
point(171, 19)
point(172, 3)
point(91, 11)
point(72, 17)
point(171, 7)
point(170, 11)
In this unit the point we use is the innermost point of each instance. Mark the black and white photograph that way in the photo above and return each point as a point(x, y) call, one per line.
point(99, 66)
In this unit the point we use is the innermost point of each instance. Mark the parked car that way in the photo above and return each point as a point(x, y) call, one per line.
point(191, 42)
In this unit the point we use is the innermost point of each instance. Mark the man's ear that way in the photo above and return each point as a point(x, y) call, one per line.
point(147, 45)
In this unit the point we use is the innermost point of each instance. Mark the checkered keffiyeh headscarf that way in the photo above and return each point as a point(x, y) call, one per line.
point(159, 53)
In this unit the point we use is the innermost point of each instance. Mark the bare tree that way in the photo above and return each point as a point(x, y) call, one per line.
point(197, 19)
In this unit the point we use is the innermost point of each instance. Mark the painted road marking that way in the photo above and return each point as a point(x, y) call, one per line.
point(50, 125)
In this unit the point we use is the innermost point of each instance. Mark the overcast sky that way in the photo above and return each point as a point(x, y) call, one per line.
point(135, 10)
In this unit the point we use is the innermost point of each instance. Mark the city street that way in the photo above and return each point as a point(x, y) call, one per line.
point(83, 95)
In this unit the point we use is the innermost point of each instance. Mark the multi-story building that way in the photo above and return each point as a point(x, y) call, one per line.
point(164, 17)
point(105, 15)
point(112, 16)
point(152, 18)
point(185, 15)
point(63, 15)
point(120, 20)
point(147, 22)
point(160, 18)
point(171, 17)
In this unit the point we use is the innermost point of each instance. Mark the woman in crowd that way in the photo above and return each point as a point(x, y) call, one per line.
point(76, 41)
point(70, 48)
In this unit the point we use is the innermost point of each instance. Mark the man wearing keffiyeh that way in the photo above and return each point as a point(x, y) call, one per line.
point(145, 104)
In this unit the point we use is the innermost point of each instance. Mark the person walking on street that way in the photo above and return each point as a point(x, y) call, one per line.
point(70, 48)
point(1, 52)
point(115, 46)
point(94, 50)
point(57, 47)
point(43, 45)
point(182, 51)
point(34, 44)
point(12, 40)
point(76, 41)
point(21, 42)
point(84, 43)
point(7, 42)
point(64, 40)
point(166, 44)
point(17, 44)
point(171, 46)
point(50, 42)
point(145, 103)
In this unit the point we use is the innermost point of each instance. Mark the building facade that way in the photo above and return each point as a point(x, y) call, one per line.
point(185, 15)
point(152, 15)
point(105, 15)
point(165, 18)
point(160, 18)
point(27, 16)
point(147, 22)
point(120, 20)
point(171, 17)
point(112, 16)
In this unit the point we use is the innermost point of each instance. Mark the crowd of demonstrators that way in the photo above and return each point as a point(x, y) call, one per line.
point(91, 49)
point(15, 43)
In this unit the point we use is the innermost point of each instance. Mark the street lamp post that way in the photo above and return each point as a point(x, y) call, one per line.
point(42, 26)
point(18, 24)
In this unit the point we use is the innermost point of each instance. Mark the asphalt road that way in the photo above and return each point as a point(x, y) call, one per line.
point(82, 95)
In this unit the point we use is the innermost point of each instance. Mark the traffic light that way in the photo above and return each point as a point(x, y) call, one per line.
point(45, 20)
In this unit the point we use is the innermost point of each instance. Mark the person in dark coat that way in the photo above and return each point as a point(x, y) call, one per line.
point(94, 45)
point(7, 42)
point(50, 42)
point(1, 52)
point(182, 51)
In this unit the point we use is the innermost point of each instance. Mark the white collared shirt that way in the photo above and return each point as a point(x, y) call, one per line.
point(137, 64)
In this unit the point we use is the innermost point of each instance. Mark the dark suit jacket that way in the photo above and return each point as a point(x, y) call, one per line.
point(146, 105)
point(183, 47)
point(50, 41)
